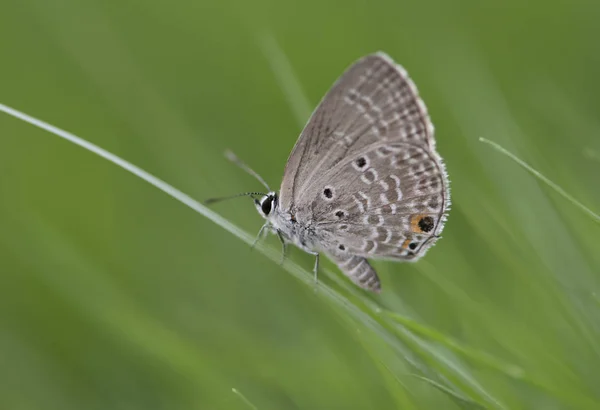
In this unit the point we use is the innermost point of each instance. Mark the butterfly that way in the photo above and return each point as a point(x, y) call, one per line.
point(364, 180)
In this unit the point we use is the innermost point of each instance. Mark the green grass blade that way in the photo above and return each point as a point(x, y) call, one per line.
point(542, 178)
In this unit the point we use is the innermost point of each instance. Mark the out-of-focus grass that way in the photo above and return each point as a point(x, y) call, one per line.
point(369, 315)
point(114, 296)
point(423, 358)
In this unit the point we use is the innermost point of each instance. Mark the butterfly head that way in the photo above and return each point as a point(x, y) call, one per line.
point(267, 204)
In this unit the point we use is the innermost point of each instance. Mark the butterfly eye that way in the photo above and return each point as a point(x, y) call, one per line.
point(266, 205)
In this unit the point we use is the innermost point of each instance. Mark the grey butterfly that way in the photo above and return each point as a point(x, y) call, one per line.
point(364, 179)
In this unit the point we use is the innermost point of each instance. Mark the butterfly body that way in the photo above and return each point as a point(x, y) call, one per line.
point(294, 227)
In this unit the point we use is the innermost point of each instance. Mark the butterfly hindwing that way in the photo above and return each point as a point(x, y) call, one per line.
point(388, 202)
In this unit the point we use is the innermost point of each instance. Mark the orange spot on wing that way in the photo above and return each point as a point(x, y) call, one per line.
point(414, 223)
point(406, 243)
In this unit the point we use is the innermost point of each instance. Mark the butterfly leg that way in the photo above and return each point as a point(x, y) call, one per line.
point(260, 235)
point(283, 247)
point(316, 268)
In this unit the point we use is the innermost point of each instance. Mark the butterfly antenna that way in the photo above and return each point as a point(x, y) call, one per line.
point(233, 158)
point(223, 198)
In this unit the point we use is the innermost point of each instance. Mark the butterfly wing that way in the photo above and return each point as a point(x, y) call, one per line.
point(374, 100)
point(365, 170)
point(393, 206)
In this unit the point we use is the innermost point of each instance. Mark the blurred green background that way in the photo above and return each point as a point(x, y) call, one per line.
point(115, 296)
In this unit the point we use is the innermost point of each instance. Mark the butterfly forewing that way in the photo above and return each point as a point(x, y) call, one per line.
point(373, 101)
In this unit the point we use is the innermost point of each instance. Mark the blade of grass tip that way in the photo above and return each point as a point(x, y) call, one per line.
point(244, 399)
point(542, 178)
point(286, 78)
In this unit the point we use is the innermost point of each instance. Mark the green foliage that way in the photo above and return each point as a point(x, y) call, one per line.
point(115, 296)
